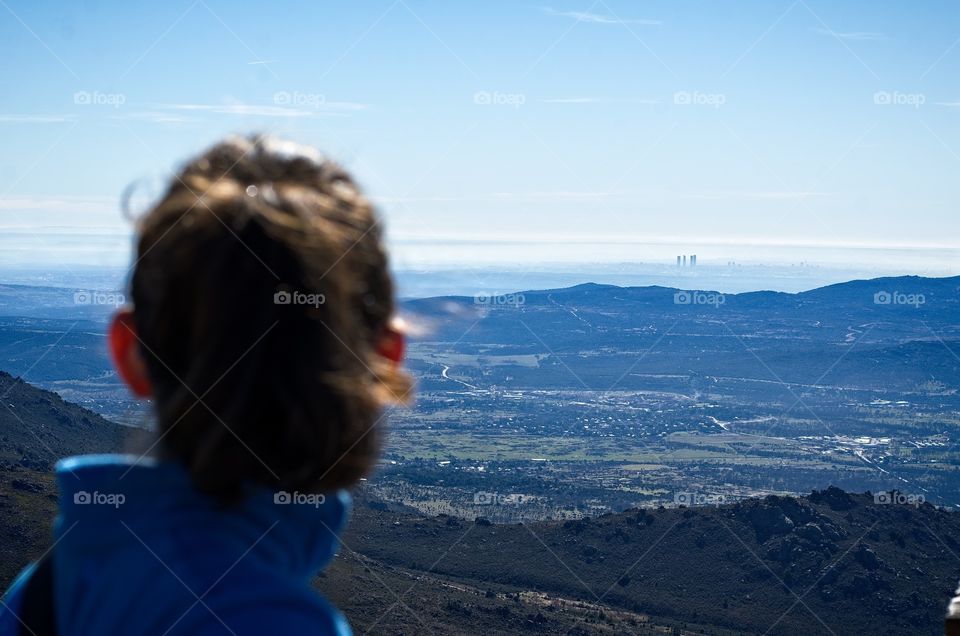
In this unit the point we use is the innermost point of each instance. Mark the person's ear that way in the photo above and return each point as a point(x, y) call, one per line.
point(392, 344)
point(125, 351)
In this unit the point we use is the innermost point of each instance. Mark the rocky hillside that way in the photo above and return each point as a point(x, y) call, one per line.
point(37, 428)
point(832, 562)
point(828, 563)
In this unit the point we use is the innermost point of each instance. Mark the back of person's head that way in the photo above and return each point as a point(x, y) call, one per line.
point(261, 299)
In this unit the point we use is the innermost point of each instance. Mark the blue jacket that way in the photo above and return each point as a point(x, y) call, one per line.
point(139, 551)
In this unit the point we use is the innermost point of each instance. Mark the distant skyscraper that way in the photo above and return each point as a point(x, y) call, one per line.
point(684, 260)
point(678, 261)
point(693, 260)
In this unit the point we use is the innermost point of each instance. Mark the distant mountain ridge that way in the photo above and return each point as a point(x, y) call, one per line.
point(579, 318)
point(876, 320)
point(890, 300)
point(42, 300)
point(942, 287)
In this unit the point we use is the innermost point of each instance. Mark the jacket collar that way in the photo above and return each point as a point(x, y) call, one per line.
point(296, 532)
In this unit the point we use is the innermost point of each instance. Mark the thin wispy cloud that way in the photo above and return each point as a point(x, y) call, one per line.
point(55, 203)
point(397, 200)
point(597, 100)
point(193, 113)
point(45, 228)
point(242, 109)
point(533, 196)
point(558, 195)
point(573, 100)
point(953, 104)
point(36, 119)
point(326, 109)
point(853, 35)
point(598, 18)
point(156, 117)
point(768, 196)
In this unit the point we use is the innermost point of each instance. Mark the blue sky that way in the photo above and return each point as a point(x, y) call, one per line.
point(798, 122)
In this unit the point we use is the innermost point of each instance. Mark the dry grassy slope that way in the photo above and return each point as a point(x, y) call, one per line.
point(858, 567)
point(36, 429)
point(384, 599)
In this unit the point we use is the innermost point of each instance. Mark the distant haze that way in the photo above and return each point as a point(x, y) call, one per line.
point(457, 267)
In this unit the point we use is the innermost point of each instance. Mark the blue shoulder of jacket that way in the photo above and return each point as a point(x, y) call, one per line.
point(295, 618)
point(10, 605)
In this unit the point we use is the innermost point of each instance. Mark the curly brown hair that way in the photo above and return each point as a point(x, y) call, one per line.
point(260, 291)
